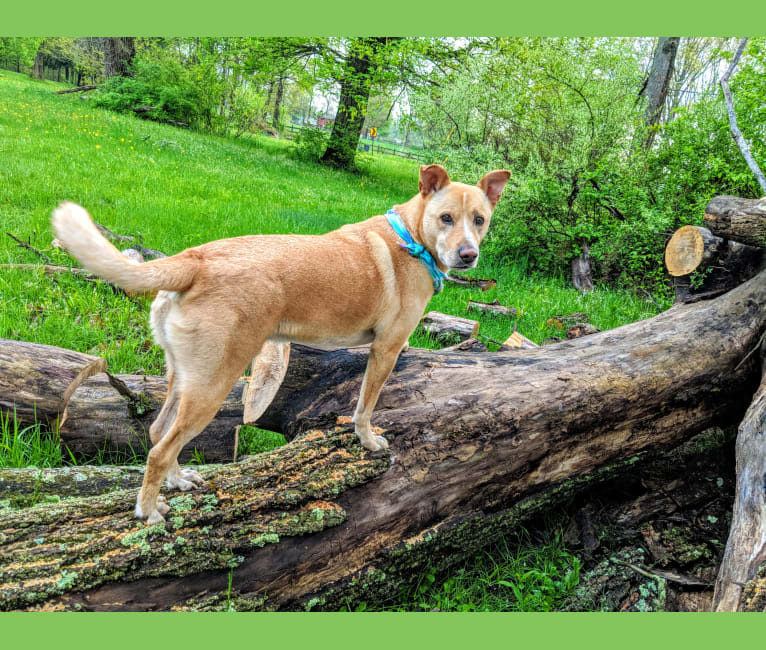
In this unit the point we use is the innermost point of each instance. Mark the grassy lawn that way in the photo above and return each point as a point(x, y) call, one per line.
point(177, 189)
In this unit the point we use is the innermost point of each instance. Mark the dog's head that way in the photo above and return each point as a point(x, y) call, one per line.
point(456, 216)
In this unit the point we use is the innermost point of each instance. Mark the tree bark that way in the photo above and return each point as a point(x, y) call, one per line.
point(582, 273)
point(118, 55)
point(278, 102)
point(743, 220)
point(444, 327)
point(112, 414)
point(352, 106)
point(721, 264)
point(37, 381)
point(656, 88)
point(746, 547)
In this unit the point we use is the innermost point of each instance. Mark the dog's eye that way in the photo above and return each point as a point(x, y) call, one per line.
point(478, 220)
point(446, 218)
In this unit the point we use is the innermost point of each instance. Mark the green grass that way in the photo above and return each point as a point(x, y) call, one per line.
point(31, 446)
point(518, 574)
point(179, 189)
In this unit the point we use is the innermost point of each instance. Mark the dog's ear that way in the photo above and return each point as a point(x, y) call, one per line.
point(432, 179)
point(492, 184)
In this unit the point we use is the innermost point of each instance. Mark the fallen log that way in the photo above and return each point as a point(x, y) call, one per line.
point(112, 415)
point(745, 551)
point(445, 327)
point(478, 443)
point(485, 284)
point(493, 307)
point(78, 89)
point(743, 220)
point(37, 381)
point(720, 264)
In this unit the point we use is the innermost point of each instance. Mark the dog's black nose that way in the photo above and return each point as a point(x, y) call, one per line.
point(468, 255)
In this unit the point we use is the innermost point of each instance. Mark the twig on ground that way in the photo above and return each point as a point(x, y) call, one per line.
point(24, 244)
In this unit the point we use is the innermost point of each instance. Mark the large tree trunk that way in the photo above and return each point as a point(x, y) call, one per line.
point(118, 55)
point(743, 220)
point(656, 88)
point(746, 548)
point(478, 443)
point(352, 106)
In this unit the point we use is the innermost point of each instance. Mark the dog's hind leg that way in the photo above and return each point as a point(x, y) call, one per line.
point(197, 394)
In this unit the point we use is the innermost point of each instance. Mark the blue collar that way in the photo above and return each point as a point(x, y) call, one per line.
point(416, 250)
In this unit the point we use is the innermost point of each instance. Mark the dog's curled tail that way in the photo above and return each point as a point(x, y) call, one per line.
point(78, 234)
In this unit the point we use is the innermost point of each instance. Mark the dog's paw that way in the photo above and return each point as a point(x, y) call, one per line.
point(162, 507)
point(374, 443)
point(155, 516)
point(185, 480)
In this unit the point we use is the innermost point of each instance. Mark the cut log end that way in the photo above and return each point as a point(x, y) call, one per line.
point(686, 249)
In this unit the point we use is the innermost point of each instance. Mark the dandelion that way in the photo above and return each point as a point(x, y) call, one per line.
point(98, 146)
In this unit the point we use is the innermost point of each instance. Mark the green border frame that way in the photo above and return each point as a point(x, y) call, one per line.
point(370, 631)
point(392, 17)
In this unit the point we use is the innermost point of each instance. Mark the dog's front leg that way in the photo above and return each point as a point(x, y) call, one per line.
point(383, 356)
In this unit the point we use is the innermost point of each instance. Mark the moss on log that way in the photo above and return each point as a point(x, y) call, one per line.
point(55, 550)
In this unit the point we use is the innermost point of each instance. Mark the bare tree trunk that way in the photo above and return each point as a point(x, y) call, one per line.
point(118, 55)
point(735, 132)
point(746, 548)
point(582, 273)
point(743, 220)
point(656, 88)
point(278, 102)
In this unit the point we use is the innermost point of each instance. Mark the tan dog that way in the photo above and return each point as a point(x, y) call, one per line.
point(220, 302)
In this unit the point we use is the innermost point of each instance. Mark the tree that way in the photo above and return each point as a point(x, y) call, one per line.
point(18, 51)
point(362, 60)
point(655, 89)
point(118, 55)
point(557, 114)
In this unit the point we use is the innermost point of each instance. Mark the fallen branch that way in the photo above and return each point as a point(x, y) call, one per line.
point(29, 247)
point(492, 308)
point(735, 132)
point(52, 269)
point(78, 89)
